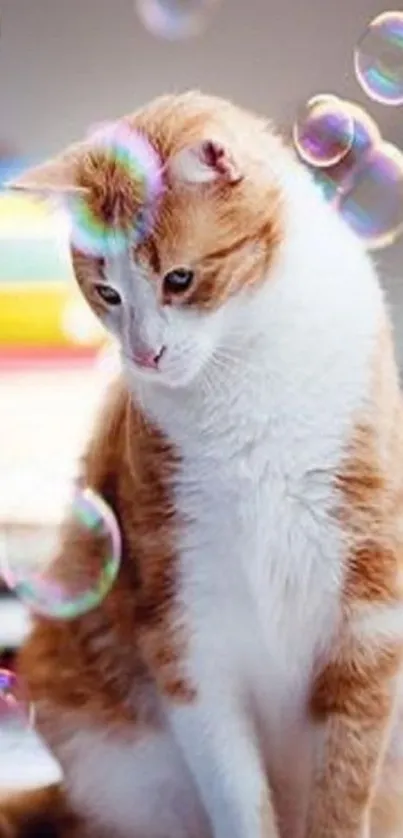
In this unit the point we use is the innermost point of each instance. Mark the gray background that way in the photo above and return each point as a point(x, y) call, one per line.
point(67, 63)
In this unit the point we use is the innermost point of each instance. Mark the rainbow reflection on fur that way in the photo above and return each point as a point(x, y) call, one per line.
point(107, 230)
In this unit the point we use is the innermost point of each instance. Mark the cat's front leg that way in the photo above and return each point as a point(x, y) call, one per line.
point(223, 758)
point(352, 706)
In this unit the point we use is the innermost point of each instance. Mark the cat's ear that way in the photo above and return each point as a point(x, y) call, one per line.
point(207, 161)
point(54, 178)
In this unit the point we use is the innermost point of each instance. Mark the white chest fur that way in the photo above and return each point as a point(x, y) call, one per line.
point(261, 557)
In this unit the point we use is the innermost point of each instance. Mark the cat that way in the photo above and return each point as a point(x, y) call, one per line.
point(243, 679)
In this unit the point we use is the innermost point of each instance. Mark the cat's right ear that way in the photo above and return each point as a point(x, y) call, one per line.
point(56, 178)
point(207, 161)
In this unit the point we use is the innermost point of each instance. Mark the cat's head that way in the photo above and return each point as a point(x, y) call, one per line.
point(183, 291)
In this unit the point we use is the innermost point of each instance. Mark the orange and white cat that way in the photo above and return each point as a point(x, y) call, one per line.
point(243, 678)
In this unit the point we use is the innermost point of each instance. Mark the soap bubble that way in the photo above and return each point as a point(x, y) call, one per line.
point(108, 365)
point(99, 228)
point(61, 546)
point(175, 19)
point(16, 713)
point(336, 179)
point(80, 325)
point(378, 59)
point(373, 204)
point(324, 131)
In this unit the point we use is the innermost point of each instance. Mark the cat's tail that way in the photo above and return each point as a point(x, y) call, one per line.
point(40, 813)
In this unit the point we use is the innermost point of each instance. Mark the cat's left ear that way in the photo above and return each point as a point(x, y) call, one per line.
point(54, 178)
point(207, 161)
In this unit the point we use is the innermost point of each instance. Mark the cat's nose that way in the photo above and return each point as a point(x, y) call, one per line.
point(148, 358)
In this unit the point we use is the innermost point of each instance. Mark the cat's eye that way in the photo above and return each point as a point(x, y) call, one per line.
point(107, 294)
point(177, 281)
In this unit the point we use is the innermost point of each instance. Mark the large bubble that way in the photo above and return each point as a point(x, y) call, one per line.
point(373, 203)
point(61, 546)
point(324, 131)
point(378, 59)
point(112, 232)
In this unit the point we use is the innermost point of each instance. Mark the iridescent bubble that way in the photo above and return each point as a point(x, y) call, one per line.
point(108, 364)
point(79, 323)
point(373, 204)
point(16, 713)
point(100, 228)
point(335, 180)
point(175, 19)
point(61, 546)
point(324, 131)
point(378, 59)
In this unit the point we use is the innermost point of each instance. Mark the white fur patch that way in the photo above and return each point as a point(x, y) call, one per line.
point(134, 785)
point(378, 623)
point(262, 436)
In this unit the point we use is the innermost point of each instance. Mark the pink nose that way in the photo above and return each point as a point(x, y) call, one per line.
point(147, 358)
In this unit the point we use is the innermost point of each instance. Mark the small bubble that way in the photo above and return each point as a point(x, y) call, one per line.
point(61, 546)
point(378, 59)
point(16, 713)
point(324, 131)
point(335, 180)
point(175, 19)
point(373, 204)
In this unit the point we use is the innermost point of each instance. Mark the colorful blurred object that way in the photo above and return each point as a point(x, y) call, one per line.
point(42, 312)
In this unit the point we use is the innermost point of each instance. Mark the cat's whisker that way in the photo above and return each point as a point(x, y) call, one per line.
point(220, 367)
point(212, 379)
point(238, 356)
point(218, 376)
point(231, 361)
point(207, 384)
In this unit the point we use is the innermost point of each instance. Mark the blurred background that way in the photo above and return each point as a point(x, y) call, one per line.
point(65, 67)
